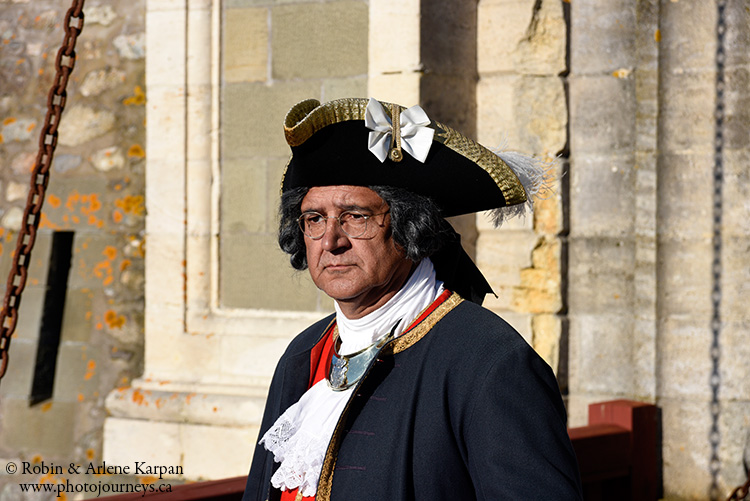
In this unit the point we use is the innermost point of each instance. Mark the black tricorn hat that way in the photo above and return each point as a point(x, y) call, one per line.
point(330, 142)
point(353, 142)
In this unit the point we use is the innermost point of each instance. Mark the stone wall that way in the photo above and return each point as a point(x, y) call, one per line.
point(655, 276)
point(522, 106)
point(95, 192)
point(275, 56)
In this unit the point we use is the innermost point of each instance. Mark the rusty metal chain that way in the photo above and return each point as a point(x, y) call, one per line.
point(64, 64)
point(740, 492)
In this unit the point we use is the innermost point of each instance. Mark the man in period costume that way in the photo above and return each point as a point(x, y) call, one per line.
point(411, 390)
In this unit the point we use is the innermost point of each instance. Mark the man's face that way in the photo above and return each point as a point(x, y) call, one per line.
point(361, 274)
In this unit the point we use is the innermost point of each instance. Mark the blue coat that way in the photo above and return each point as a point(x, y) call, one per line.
point(457, 408)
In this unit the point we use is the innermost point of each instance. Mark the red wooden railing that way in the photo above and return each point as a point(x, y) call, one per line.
point(619, 451)
point(618, 455)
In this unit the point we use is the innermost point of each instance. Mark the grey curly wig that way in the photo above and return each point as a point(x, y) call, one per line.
point(416, 223)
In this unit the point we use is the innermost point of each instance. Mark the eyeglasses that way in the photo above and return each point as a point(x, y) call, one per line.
point(353, 223)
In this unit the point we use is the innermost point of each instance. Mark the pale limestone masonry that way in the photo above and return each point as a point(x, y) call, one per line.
point(521, 105)
point(642, 102)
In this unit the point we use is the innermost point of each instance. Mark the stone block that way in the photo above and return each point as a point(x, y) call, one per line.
point(540, 288)
point(166, 280)
point(526, 114)
point(241, 4)
point(547, 331)
point(600, 276)
point(85, 203)
point(688, 37)
point(686, 450)
point(303, 36)
point(448, 42)
point(602, 196)
point(224, 404)
point(387, 54)
point(37, 429)
point(736, 16)
point(402, 87)
point(173, 354)
point(77, 375)
point(78, 315)
point(337, 88)
point(735, 443)
point(253, 115)
point(96, 261)
point(458, 112)
point(502, 255)
point(684, 276)
point(686, 115)
point(737, 121)
point(736, 192)
point(735, 350)
point(685, 364)
point(165, 134)
point(501, 26)
point(602, 115)
point(600, 353)
point(251, 356)
point(215, 452)
point(83, 123)
point(245, 54)
point(257, 274)
point(542, 50)
point(157, 442)
point(30, 313)
point(541, 115)
point(166, 28)
point(20, 372)
point(496, 120)
point(735, 280)
point(685, 196)
point(602, 36)
point(244, 192)
point(39, 264)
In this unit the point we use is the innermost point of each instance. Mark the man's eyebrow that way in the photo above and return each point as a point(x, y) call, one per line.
point(343, 208)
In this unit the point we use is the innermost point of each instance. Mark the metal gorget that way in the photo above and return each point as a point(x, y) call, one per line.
point(345, 370)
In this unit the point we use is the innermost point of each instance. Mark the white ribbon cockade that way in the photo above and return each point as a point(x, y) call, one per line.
point(416, 137)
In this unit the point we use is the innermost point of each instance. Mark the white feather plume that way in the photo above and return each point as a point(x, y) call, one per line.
point(536, 176)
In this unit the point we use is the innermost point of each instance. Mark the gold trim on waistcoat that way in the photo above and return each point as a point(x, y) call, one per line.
point(398, 345)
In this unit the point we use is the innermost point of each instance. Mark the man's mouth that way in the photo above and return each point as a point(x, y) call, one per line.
point(337, 267)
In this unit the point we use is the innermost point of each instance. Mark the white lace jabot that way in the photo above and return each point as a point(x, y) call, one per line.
point(300, 436)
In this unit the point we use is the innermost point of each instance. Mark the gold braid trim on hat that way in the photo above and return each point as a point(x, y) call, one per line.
point(309, 116)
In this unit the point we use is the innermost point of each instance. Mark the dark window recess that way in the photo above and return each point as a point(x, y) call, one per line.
point(52, 317)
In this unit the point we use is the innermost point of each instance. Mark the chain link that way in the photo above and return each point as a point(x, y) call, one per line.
point(64, 64)
point(714, 436)
point(740, 492)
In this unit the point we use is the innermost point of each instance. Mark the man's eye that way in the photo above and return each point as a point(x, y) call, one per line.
point(353, 216)
point(313, 219)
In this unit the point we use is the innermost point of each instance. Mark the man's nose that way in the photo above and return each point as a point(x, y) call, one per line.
point(334, 236)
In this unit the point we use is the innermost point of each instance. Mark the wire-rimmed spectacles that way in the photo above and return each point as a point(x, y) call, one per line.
point(353, 223)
